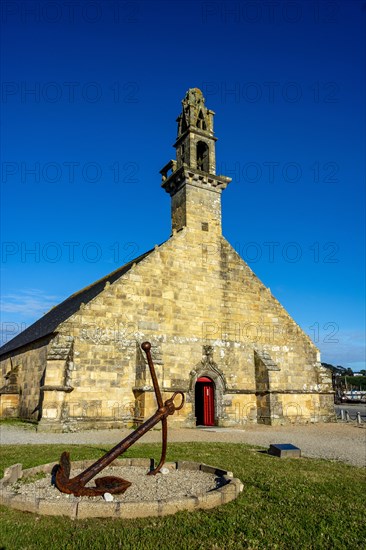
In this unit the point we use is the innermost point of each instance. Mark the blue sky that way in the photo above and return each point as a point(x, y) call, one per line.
point(90, 94)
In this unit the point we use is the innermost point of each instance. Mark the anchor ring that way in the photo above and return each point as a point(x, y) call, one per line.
point(181, 403)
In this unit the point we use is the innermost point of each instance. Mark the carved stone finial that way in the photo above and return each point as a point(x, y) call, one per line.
point(208, 350)
point(207, 354)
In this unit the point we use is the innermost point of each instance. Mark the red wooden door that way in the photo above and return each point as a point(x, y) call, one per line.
point(208, 405)
point(207, 395)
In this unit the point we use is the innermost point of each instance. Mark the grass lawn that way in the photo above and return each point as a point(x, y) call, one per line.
point(286, 504)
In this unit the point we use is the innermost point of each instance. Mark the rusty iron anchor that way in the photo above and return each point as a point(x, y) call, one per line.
point(112, 484)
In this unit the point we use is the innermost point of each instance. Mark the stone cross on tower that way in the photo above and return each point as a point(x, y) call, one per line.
point(191, 179)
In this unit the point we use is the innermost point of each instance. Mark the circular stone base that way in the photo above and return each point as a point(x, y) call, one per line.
point(185, 486)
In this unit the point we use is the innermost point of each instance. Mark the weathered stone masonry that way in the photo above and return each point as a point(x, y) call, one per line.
point(201, 306)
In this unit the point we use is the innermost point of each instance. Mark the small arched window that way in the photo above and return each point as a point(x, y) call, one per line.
point(183, 124)
point(201, 121)
point(202, 156)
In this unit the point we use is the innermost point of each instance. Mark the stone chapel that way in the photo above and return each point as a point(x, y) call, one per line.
point(217, 333)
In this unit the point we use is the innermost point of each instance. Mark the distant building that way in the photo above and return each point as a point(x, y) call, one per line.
point(217, 332)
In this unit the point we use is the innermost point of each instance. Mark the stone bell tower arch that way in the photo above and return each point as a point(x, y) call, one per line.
point(191, 179)
point(196, 138)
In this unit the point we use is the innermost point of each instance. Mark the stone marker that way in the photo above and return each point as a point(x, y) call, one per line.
point(284, 450)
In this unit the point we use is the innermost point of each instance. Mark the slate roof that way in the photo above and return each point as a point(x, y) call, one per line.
point(47, 324)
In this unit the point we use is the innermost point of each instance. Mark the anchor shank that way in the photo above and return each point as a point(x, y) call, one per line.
point(146, 346)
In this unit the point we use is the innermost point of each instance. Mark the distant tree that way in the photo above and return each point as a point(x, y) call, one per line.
point(335, 370)
point(358, 383)
point(328, 366)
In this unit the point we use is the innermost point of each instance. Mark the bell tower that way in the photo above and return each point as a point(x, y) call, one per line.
point(195, 143)
point(191, 179)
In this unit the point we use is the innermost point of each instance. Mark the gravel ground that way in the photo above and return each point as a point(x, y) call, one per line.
point(344, 442)
point(175, 483)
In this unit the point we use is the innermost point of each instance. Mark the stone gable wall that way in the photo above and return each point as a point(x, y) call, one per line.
point(193, 291)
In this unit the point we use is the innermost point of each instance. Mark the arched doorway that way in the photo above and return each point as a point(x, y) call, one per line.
point(205, 402)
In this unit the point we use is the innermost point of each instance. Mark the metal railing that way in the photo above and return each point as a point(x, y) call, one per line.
point(344, 416)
